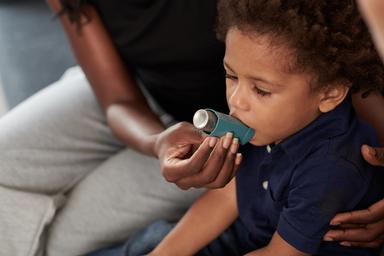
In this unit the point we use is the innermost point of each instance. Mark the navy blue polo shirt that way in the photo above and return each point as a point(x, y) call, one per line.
point(299, 185)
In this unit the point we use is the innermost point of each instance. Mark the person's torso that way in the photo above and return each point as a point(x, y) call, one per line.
point(265, 178)
point(170, 45)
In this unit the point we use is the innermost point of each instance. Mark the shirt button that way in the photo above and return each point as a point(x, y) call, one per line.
point(265, 185)
point(269, 149)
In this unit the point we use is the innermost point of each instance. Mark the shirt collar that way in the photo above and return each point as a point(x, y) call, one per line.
point(326, 126)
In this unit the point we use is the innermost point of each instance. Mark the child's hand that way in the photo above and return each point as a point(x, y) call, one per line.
point(189, 158)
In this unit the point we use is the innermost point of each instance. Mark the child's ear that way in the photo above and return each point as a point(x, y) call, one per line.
point(333, 95)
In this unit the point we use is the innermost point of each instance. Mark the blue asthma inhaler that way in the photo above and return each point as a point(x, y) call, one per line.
point(218, 124)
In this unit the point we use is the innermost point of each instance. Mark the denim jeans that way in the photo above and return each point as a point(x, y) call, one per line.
point(230, 242)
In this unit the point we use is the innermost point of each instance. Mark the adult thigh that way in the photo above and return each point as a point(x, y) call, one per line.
point(47, 144)
point(124, 194)
point(53, 139)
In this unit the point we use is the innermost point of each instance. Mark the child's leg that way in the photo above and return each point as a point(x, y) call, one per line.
point(120, 197)
point(140, 243)
point(230, 243)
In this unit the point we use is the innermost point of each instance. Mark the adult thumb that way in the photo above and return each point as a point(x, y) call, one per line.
point(374, 156)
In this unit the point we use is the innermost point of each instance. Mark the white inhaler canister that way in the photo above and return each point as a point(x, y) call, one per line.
point(218, 124)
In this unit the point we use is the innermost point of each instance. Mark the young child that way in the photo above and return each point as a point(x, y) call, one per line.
point(291, 66)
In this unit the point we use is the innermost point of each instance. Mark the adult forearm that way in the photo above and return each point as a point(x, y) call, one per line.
point(373, 11)
point(128, 113)
point(371, 109)
point(136, 125)
point(97, 55)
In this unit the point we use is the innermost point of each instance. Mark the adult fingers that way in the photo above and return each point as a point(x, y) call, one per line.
point(175, 168)
point(186, 131)
point(374, 156)
point(212, 167)
point(367, 234)
point(200, 157)
point(372, 244)
point(228, 169)
point(351, 226)
point(373, 214)
point(239, 158)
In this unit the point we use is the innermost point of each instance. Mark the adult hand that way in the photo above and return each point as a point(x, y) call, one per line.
point(364, 228)
point(190, 159)
point(374, 156)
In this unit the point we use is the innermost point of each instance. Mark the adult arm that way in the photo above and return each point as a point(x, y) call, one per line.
point(372, 109)
point(127, 111)
point(208, 217)
point(373, 12)
point(130, 117)
point(365, 228)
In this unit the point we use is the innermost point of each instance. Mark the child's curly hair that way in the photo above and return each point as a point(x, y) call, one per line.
point(329, 37)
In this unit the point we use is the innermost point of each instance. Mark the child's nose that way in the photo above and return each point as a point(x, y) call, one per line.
point(238, 98)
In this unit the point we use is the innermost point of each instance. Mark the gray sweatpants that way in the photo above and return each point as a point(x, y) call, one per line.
point(67, 186)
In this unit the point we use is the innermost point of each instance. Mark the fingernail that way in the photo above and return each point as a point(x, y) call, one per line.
point(238, 158)
point(328, 239)
point(335, 223)
point(212, 141)
point(227, 140)
point(345, 244)
point(235, 145)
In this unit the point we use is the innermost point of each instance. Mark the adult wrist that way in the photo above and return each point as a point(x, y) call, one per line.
point(152, 144)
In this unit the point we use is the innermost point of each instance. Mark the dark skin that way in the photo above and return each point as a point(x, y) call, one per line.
point(130, 117)
point(187, 157)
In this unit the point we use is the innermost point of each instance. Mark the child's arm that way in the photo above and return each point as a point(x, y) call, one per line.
point(277, 246)
point(208, 217)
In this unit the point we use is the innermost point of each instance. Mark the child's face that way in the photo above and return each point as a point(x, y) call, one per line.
point(274, 102)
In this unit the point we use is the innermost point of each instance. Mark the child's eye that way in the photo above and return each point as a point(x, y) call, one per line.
point(262, 92)
point(230, 77)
